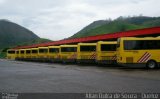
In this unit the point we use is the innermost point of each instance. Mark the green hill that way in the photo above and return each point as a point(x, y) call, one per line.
point(12, 34)
point(117, 25)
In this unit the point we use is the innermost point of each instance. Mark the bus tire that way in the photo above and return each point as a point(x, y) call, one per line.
point(151, 64)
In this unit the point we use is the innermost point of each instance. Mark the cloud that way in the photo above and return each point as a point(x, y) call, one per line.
point(2, 1)
point(58, 19)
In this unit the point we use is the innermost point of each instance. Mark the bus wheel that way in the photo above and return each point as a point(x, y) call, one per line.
point(151, 64)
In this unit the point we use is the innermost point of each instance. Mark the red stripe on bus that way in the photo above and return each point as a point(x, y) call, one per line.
point(146, 58)
point(73, 56)
point(93, 56)
point(142, 57)
point(114, 58)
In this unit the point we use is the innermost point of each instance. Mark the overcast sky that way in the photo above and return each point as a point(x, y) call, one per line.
point(58, 19)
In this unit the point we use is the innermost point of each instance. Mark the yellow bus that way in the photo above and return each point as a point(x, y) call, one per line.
point(68, 53)
point(53, 53)
point(28, 54)
point(17, 54)
point(133, 51)
point(106, 52)
point(11, 54)
point(34, 53)
point(86, 52)
point(22, 54)
point(42, 53)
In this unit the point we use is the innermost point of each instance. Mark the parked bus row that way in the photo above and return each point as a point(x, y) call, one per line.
point(100, 52)
point(126, 51)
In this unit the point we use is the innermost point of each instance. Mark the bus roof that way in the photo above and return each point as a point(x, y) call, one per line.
point(68, 45)
point(28, 49)
point(53, 46)
point(42, 47)
point(22, 49)
point(87, 43)
point(34, 48)
point(140, 38)
point(107, 42)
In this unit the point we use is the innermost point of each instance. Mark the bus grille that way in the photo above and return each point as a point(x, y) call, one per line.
point(129, 59)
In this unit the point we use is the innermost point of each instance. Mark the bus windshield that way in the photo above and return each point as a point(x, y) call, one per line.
point(11, 52)
point(108, 47)
point(34, 51)
point(88, 48)
point(43, 50)
point(53, 50)
point(69, 49)
point(22, 52)
point(28, 51)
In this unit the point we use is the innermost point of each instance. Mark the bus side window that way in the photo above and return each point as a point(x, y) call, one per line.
point(144, 45)
point(151, 45)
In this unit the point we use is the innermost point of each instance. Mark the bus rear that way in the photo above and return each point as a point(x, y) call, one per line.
point(42, 53)
point(68, 53)
point(28, 54)
point(53, 54)
point(22, 54)
point(106, 52)
point(86, 53)
point(139, 52)
point(11, 54)
point(34, 53)
point(17, 54)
